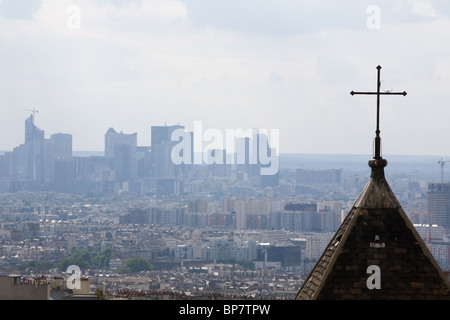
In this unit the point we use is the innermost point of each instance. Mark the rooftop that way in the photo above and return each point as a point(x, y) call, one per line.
point(376, 253)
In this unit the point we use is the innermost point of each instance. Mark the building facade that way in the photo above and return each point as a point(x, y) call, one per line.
point(439, 204)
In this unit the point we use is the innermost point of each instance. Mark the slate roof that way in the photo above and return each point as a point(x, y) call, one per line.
point(376, 232)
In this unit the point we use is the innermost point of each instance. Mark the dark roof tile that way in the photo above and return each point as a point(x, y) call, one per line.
point(376, 232)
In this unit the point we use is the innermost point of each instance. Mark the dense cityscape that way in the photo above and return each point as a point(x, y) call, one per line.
point(139, 226)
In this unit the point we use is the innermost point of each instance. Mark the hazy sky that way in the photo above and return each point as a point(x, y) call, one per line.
point(88, 65)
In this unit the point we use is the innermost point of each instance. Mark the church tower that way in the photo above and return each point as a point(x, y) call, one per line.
point(376, 253)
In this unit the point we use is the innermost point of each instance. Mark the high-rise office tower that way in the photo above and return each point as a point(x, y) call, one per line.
point(439, 204)
point(219, 168)
point(29, 157)
point(144, 161)
point(163, 133)
point(120, 154)
point(58, 147)
point(62, 144)
point(162, 165)
point(112, 137)
point(32, 133)
point(250, 152)
point(123, 161)
point(65, 174)
point(6, 165)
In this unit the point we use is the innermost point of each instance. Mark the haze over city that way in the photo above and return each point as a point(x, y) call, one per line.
point(89, 65)
point(205, 151)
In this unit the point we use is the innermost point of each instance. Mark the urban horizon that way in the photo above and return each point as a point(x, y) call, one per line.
point(311, 160)
point(96, 151)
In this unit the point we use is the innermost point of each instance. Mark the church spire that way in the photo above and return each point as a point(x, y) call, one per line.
point(376, 253)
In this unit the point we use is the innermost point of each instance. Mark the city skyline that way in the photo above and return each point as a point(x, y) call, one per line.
point(49, 164)
point(89, 65)
point(209, 150)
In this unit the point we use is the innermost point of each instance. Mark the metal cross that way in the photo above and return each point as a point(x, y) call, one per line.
point(378, 93)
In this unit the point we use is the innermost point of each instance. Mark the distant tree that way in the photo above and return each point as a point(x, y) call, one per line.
point(87, 259)
point(134, 265)
point(99, 294)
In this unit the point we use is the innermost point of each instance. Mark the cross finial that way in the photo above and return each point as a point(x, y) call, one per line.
point(378, 93)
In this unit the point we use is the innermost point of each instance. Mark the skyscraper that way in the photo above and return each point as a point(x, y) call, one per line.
point(162, 165)
point(32, 133)
point(58, 147)
point(120, 154)
point(438, 202)
point(62, 144)
point(112, 137)
point(29, 157)
point(65, 174)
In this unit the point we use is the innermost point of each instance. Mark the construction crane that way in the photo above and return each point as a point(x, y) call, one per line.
point(442, 162)
point(33, 110)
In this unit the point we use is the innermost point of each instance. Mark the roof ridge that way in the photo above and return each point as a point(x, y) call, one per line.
point(377, 193)
point(376, 232)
